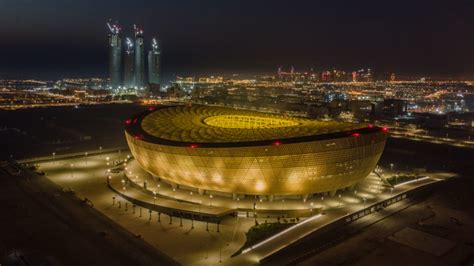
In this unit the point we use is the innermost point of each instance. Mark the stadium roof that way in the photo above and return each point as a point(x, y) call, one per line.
point(209, 124)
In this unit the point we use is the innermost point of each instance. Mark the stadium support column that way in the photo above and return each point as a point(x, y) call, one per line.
point(304, 197)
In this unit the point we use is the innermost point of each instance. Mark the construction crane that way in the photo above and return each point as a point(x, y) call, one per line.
point(113, 27)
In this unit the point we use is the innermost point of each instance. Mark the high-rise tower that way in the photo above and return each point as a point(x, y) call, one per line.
point(115, 54)
point(129, 73)
point(154, 67)
point(139, 60)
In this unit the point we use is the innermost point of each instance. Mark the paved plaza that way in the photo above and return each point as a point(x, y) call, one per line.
point(188, 241)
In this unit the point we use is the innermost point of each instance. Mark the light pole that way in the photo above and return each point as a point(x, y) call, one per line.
point(54, 156)
point(154, 197)
point(364, 201)
point(191, 196)
point(339, 201)
point(72, 170)
point(100, 149)
point(255, 212)
point(86, 156)
point(210, 200)
point(322, 202)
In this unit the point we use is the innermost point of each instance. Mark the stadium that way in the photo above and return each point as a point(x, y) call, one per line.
point(241, 152)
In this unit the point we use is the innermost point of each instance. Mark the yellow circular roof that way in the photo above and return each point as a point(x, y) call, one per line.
point(205, 124)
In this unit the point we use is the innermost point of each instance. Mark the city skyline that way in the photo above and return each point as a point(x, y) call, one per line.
point(188, 132)
point(426, 39)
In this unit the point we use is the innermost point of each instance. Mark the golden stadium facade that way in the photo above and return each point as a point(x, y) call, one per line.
point(252, 153)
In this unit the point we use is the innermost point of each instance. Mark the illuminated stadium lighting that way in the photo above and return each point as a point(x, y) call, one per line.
point(236, 144)
point(277, 143)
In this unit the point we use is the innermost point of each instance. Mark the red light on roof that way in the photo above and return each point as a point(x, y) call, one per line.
point(385, 129)
point(151, 109)
point(370, 126)
point(138, 136)
point(356, 134)
point(193, 146)
point(135, 120)
point(128, 121)
point(277, 143)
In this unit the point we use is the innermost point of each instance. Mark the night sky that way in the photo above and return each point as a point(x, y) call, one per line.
point(65, 38)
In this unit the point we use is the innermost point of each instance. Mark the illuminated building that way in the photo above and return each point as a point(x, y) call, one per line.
point(129, 73)
point(244, 152)
point(154, 67)
point(139, 76)
point(115, 54)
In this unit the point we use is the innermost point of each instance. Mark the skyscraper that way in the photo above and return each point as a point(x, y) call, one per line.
point(115, 54)
point(129, 73)
point(154, 67)
point(139, 60)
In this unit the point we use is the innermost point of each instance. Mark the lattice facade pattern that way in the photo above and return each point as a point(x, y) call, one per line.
point(287, 169)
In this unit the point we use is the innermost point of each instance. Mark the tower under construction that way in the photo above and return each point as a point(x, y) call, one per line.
point(115, 54)
point(154, 67)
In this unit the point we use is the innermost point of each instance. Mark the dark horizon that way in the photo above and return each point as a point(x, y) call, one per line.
point(55, 39)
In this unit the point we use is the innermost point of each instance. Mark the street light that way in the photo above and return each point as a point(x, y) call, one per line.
point(54, 156)
point(100, 149)
point(339, 201)
point(364, 201)
point(210, 201)
point(72, 170)
point(86, 156)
